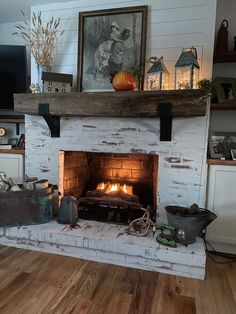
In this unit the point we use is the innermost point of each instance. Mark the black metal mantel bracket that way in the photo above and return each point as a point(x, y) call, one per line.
point(53, 122)
point(165, 114)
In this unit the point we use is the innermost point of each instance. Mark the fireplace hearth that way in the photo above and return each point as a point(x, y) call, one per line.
point(110, 187)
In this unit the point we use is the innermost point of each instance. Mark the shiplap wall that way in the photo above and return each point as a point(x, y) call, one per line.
point(172, 25)
point(182, 162)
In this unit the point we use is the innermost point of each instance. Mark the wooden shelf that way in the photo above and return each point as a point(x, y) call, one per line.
point(221, 162)
point(185, 103)
point(224, 57)
point(12, 151)
point(12, 121)
point(225, 106)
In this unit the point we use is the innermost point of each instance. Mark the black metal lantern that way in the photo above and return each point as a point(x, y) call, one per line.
point(157, 75)
point(187, 69)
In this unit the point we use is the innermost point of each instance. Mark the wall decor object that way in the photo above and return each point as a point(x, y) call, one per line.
point(57, 82)
point(13, 141)
point(233, 154)
point(221, 144)
point(21, 142)
point(225, 88)
point(2, 132)
point(41, 38)
point(157, 75)
point(123, 81)
point(187, 69)
point(222, 37)
point(111, 40)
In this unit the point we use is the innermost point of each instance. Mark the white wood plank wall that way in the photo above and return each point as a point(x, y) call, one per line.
point(172, 25)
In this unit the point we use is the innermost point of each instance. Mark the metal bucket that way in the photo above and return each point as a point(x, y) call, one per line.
point(192, 225)
point(26, 207)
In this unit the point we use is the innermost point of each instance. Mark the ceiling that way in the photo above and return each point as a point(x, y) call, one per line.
point(10, 12)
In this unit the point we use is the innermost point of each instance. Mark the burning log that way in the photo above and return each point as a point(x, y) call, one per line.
point(111, 202)
point(114, 195)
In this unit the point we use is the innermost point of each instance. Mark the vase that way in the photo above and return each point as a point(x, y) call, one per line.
point(40, 70)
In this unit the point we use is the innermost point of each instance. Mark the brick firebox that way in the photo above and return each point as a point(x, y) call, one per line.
point(82, 171)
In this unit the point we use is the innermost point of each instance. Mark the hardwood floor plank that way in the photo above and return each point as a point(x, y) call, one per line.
point(67, 292)
point(11, 269)
point(231, 276)
point(14, 287)
point(109, 286)
point(184, 305)
point(223, 295)
point(164, 295)
point(183, 286)
point(120, 303)
point(143, 285)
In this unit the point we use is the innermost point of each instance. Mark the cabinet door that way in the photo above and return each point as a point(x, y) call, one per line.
point(221, 200)
point(13, 166)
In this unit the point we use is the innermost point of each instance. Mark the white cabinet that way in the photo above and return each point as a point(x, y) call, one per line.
point(221, 199)
point(13, 166)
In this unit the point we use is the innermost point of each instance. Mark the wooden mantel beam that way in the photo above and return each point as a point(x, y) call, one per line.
point(184, 103)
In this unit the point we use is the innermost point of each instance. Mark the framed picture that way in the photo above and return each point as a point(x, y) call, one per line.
point(233, 154)
point(225, 89)
point(110, 41)
point(221, 144)
point(21, 142)
point(13, 141)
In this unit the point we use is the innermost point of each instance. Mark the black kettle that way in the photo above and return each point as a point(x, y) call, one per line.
point(68, 213)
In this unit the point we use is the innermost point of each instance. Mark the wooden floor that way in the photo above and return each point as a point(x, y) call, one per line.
point(33, 282)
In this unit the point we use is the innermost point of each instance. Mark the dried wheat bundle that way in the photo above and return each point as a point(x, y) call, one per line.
point(40, 38)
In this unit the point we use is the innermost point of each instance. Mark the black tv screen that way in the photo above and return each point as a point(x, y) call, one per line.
point(13, 74)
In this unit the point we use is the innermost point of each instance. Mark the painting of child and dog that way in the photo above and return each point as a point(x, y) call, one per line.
point(110, 42)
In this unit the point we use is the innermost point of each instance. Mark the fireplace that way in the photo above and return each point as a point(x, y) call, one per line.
point(99, 141)
point(110, 186)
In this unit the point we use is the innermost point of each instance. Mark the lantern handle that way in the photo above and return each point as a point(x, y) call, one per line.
point(155, 59)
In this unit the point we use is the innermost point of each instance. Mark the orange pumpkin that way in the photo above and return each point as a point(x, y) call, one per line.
point(123, 81)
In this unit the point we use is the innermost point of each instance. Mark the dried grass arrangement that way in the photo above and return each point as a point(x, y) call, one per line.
point(40, 38)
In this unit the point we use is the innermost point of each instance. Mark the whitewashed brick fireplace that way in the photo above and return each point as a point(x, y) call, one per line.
point(182, 162)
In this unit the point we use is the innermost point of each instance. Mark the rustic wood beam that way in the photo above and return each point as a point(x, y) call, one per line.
point(185, 103)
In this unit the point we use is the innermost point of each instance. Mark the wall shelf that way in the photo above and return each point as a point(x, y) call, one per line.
point(140, 104)
point(224, 106)
point(12, 151)
point(224, 57)
point(17, 120)
point(221, 162)
point(12, 121)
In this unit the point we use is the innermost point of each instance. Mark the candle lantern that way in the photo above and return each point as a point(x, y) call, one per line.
point(157, 75)
point(187, 69)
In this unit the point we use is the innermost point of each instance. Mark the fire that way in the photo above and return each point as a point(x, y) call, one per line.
point(113, 187)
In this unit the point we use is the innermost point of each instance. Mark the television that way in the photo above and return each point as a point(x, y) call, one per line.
point(13, 74)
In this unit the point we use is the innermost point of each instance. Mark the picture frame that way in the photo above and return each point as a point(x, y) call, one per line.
point(233, 154)
point(225, 88)
point(12, 141)
point(221, 144)
point(21, 142)
point(111, 40)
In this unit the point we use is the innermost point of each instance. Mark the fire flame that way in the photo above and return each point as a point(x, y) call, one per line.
point(113, 187)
